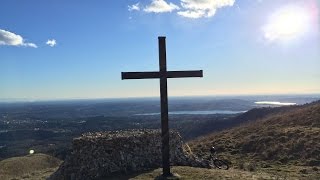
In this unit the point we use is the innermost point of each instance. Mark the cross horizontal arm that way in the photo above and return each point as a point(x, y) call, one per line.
point(140, 75)
point(184, 74)
point(155, 74)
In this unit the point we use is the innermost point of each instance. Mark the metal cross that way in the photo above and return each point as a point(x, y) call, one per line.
point(163, 74)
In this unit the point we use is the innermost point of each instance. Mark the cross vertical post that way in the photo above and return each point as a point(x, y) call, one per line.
point(164, 107)
point(163, 75)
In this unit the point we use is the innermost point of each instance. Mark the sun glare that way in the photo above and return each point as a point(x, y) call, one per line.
point(287, 23)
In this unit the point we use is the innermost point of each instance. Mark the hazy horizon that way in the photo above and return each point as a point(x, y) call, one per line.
point(226, 96)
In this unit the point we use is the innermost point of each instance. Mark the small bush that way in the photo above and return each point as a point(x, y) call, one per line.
point(265, 165)
point(252, 167)
point(303, 171)
point(241, 165)
point(313, 162)
point(283, 139)
point(315, 169)
point(26, 176)
point(284, 160)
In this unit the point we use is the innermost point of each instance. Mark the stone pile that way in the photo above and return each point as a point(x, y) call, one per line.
point(101, 154)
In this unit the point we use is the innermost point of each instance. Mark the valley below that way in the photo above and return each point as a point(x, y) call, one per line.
point(258, 141)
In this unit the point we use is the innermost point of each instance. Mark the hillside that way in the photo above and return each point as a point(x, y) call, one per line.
point(284, 136)
point(191, 173)
point(205, 127)
point(37, 166)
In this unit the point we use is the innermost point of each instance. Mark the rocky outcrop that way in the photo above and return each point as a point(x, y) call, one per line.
point(97, 155)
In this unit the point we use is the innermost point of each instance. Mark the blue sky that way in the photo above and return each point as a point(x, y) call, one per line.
point(61, 49)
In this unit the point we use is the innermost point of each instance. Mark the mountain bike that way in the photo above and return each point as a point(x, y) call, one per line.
point(220, 164)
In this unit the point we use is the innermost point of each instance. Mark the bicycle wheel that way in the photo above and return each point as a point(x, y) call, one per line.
point(220, 164)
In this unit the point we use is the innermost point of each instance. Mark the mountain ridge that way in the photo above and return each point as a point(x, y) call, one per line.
point(283, 136)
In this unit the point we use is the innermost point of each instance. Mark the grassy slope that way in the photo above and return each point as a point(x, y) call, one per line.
point(288, 140)
point(37, 166)
point(41, 166)
point(191, 173)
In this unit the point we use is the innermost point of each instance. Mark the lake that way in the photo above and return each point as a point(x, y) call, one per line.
point(194, 112)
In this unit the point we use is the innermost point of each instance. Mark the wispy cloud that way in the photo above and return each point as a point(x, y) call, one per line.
point(188, 8)
point(134, 7)
point(11, 39)
point(204, 8)
point(51, 42)
point(160, 6)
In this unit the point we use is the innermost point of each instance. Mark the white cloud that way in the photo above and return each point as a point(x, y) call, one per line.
point(191, 14)
point(202, 8)
point(134, 7)
point(189, 8)
point(160, 6)
point(51, 42)
point(11, 39)
point(30, 45)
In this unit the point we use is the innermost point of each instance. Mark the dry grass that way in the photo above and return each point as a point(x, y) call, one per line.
point(287, 140)
point(191, 173)
point(37, 166)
